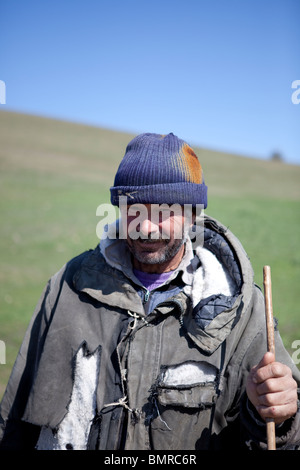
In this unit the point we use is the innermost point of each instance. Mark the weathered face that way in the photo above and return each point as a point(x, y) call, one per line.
point(156, 234)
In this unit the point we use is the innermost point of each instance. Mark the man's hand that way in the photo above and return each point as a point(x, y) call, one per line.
point(272, 389)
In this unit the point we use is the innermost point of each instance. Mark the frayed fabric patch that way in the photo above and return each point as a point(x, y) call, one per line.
point(188, 373)
point(73, 431)
point(188, 385)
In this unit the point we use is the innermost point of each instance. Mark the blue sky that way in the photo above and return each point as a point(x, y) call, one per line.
point(217, 73)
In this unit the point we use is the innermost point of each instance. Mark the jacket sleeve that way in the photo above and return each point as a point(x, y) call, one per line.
point(14, 433)
point(253, 428)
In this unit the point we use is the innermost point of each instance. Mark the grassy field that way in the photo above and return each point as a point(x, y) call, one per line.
point(53, 176)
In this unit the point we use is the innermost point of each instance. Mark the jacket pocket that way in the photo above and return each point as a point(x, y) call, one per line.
point(183, 400)
point(198, 396)
point(190, 384)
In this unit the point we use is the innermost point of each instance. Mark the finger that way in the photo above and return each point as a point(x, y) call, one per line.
point(275, 385)
point(279, 413)
point(269, 371)
point(277, 399)
point(268, 358)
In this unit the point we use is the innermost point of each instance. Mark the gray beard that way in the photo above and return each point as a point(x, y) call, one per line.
point(160, 257)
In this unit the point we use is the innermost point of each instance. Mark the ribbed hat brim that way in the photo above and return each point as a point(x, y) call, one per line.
point(169, 193)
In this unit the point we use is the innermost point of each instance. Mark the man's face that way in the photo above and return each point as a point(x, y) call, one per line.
point(156, 235)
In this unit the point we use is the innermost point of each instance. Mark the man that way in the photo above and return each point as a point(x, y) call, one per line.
point(155, 339)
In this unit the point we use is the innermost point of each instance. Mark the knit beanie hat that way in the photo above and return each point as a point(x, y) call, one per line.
point(159, 169)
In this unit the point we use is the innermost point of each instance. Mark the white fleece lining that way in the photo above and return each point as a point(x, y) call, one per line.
point(188, 373)
point(75, 427)
point(210, 278)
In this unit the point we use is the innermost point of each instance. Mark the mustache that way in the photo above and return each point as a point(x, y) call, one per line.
point(151, 238)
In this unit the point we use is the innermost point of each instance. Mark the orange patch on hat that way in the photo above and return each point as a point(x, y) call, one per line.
point(193, 169)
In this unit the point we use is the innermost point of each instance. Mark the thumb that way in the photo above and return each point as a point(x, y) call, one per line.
point(268, 358)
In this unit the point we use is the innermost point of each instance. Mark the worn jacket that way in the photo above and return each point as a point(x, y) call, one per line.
point(105, 364)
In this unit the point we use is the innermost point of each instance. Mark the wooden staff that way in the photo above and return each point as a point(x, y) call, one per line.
point(271, 440)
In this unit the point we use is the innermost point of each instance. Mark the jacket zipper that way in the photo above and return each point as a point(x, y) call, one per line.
point(146, 296)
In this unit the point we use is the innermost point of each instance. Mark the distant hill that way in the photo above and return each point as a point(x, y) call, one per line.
point(93, 154)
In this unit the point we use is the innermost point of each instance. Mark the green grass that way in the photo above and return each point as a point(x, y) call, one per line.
point(270, 232)
point(54, 174)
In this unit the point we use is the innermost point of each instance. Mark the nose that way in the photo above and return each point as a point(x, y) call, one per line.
point(148, 228)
